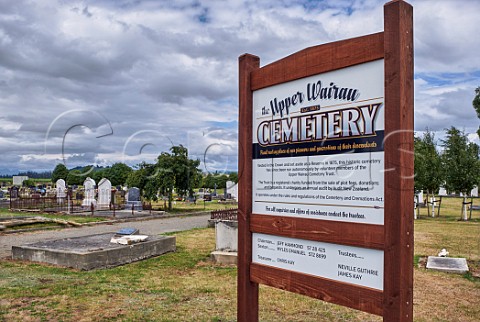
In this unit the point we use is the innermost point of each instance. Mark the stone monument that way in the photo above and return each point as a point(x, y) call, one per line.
point(232, 189)
point(89, 185)
point(60, 189)
point(442, 191)
point(226, 242)
point(133, 199)
point(104, 193)
point(474, 192)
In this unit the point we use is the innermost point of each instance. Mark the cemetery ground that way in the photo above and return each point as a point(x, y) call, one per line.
point(186, 286)
point(179, 208)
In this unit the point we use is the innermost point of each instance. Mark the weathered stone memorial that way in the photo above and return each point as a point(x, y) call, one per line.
point(442, 191)
point(89, 186)
point(60, 188)
point(92, 252)
point(133, 199)
point(104, 193)
point(326, 189)
point(232, 189)
point(226, 242)
point(447, 264)
point(474, 192)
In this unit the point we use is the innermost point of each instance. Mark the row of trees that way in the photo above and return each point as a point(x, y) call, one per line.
point(173, 171)
point(218, 180)
point(117, 174)
point(456, 167)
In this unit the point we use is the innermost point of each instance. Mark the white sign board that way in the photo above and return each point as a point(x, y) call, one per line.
point(354, 265)
point(318, 146)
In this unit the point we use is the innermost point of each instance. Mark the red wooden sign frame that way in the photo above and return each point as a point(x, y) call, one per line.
point(395, 237)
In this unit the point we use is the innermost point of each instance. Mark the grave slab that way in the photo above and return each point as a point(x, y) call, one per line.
point(447, 264)
point(92, 252)
point(226, 258)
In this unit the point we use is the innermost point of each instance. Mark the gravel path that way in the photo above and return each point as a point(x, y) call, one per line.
point(147, 227)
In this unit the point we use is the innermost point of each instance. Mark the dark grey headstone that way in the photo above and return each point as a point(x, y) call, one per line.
point(447, 264)
point(134, 194)
point(1, 194)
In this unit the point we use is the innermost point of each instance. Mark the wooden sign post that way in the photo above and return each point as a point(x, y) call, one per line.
point(326, 172)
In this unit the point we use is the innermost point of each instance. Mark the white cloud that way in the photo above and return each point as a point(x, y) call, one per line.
point(171, 67)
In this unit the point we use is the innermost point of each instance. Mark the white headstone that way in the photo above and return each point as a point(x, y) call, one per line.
point(442, 191)
point(232, 189)
point(60, 187)
point(104, 193)
point(226, 236)
point(89, 186)
point(419, 197)
point(474, 192)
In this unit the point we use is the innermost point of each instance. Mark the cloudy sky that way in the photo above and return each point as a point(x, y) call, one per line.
point(105, 81)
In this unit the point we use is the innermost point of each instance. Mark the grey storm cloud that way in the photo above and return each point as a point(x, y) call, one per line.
point(158, 73)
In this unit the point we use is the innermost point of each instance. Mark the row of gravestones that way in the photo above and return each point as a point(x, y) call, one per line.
point(104, 194)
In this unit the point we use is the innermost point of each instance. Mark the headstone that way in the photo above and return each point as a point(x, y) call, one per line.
point(89, 185)
point(104, 193)
point(226, 243)
point(226, 236)
point(133, 199)
point(1, 194)
point(474, 192)
point(60, 184)
point(419, 196)
point(14, 192)
point(442, 191)
point(232, 189)
point(447, 264)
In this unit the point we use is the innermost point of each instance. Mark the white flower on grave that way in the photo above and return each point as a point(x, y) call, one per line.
point(443, 253)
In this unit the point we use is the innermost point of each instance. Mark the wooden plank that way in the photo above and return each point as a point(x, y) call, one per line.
point(357, 297)
point(336, 232)
point(320, 59)
point(247, 291)
point(398, 274)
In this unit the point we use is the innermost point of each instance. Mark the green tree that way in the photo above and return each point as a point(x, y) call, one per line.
point(97, 175)
point(175, 170)
point(60, 172)
point(75, 177)
point(476, 105)
point(461, 163)
point(429, 174)
point(208, 181)
point(28, 183)
point(118, 173)
point(144, 179)
point(233, 176)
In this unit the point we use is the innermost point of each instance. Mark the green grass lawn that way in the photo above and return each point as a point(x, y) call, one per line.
point(186, 286)
point(185, 207)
